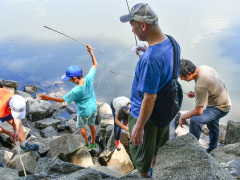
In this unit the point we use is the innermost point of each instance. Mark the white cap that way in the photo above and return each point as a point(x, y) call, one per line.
point(18, 107)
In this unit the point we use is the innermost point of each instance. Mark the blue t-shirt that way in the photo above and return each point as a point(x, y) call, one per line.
point(153, 71)
point(84, 96)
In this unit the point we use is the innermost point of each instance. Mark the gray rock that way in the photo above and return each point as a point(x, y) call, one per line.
point(9, 84)
point(81, 157)
point(8, 174)
point(232, 132)
point(111, 170)
point(37, 109)
point(44, 143)
point(47, 122)
point(57, 106)
point(29, 161)
point(96, 161)
point(233, 167)
point(65, 145)
point(49, 167)
point(105, 157)
point(70, 110)
point(31, 88)
point(71, 125)
point(122, 160)
point(73, 117)
point(184, 158)
point(222, 133)
point(5, 156)
point(48, 132)
point(87, 174)
point(25, 95)
point(227, 153)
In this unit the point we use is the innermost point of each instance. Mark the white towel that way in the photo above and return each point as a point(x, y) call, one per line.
point(140, 52)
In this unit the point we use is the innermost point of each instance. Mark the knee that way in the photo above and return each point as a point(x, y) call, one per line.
point(194, 120)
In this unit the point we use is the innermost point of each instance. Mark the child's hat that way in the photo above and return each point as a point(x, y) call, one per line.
point(18, 107)
point(72, 71)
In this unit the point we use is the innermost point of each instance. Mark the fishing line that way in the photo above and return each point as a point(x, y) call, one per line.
point(72, 38)
point(18, 150)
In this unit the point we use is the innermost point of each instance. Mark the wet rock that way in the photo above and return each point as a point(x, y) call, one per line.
point(8, 174)
point(232, 132)
point(121, 159)
point(5, 156)
point(37, 109)
point(227, 153)
point(29, 161)
point(81, 157)
point(48, 132)
point(8, 84)
point(184, 158)
point(31, 88)
point(47, 122)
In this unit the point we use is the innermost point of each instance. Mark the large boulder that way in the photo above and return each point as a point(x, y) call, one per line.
point(65, 145)
point(49, 166)
point(41, 124)
point(25, 95)
point(44, 144)
point(29, 161)
point(232, 132)
point(37, 109)
point(81, 157)
point(227, 153)
point(111, 170)
point(121, 159)
point(8, 84)
point(8, 174)
point(105, 157)
point(184, 158)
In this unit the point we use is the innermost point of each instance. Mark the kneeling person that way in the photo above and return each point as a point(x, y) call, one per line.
point(120, 111)
point(12, 110)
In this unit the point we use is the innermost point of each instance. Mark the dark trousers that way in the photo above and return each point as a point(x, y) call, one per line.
point(211, 117)
point(117, 129)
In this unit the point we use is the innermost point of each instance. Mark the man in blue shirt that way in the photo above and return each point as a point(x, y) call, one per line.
point(153, 71)
point(84, 97)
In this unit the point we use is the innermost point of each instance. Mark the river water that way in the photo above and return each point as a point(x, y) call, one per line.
point(207, 31)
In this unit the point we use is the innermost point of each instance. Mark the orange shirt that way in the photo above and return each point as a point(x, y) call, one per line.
point(5, 111)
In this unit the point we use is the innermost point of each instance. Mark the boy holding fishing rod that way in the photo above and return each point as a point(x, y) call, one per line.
point(84, 97)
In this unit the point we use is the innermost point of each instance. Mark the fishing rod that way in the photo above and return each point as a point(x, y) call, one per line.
point(130, 76)
point(72, 38)
point(129, 12)
point(121, 74)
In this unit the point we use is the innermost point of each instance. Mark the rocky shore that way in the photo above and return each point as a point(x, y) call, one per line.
point(64, 156)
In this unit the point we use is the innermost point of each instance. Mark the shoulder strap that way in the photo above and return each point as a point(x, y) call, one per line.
point(175, 51)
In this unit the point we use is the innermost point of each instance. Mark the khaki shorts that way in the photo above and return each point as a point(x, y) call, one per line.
point(82, 121)
point(153, 138)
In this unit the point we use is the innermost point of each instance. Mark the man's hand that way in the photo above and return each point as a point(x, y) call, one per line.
point(181, 122)
point(11, 136)
point(141, 49)
point(137, 136)
point(126, 128)
point(15, 136)
point(89, 48)
point(191, 94)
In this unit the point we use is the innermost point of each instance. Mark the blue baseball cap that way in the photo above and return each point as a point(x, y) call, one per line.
point(72, 71)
